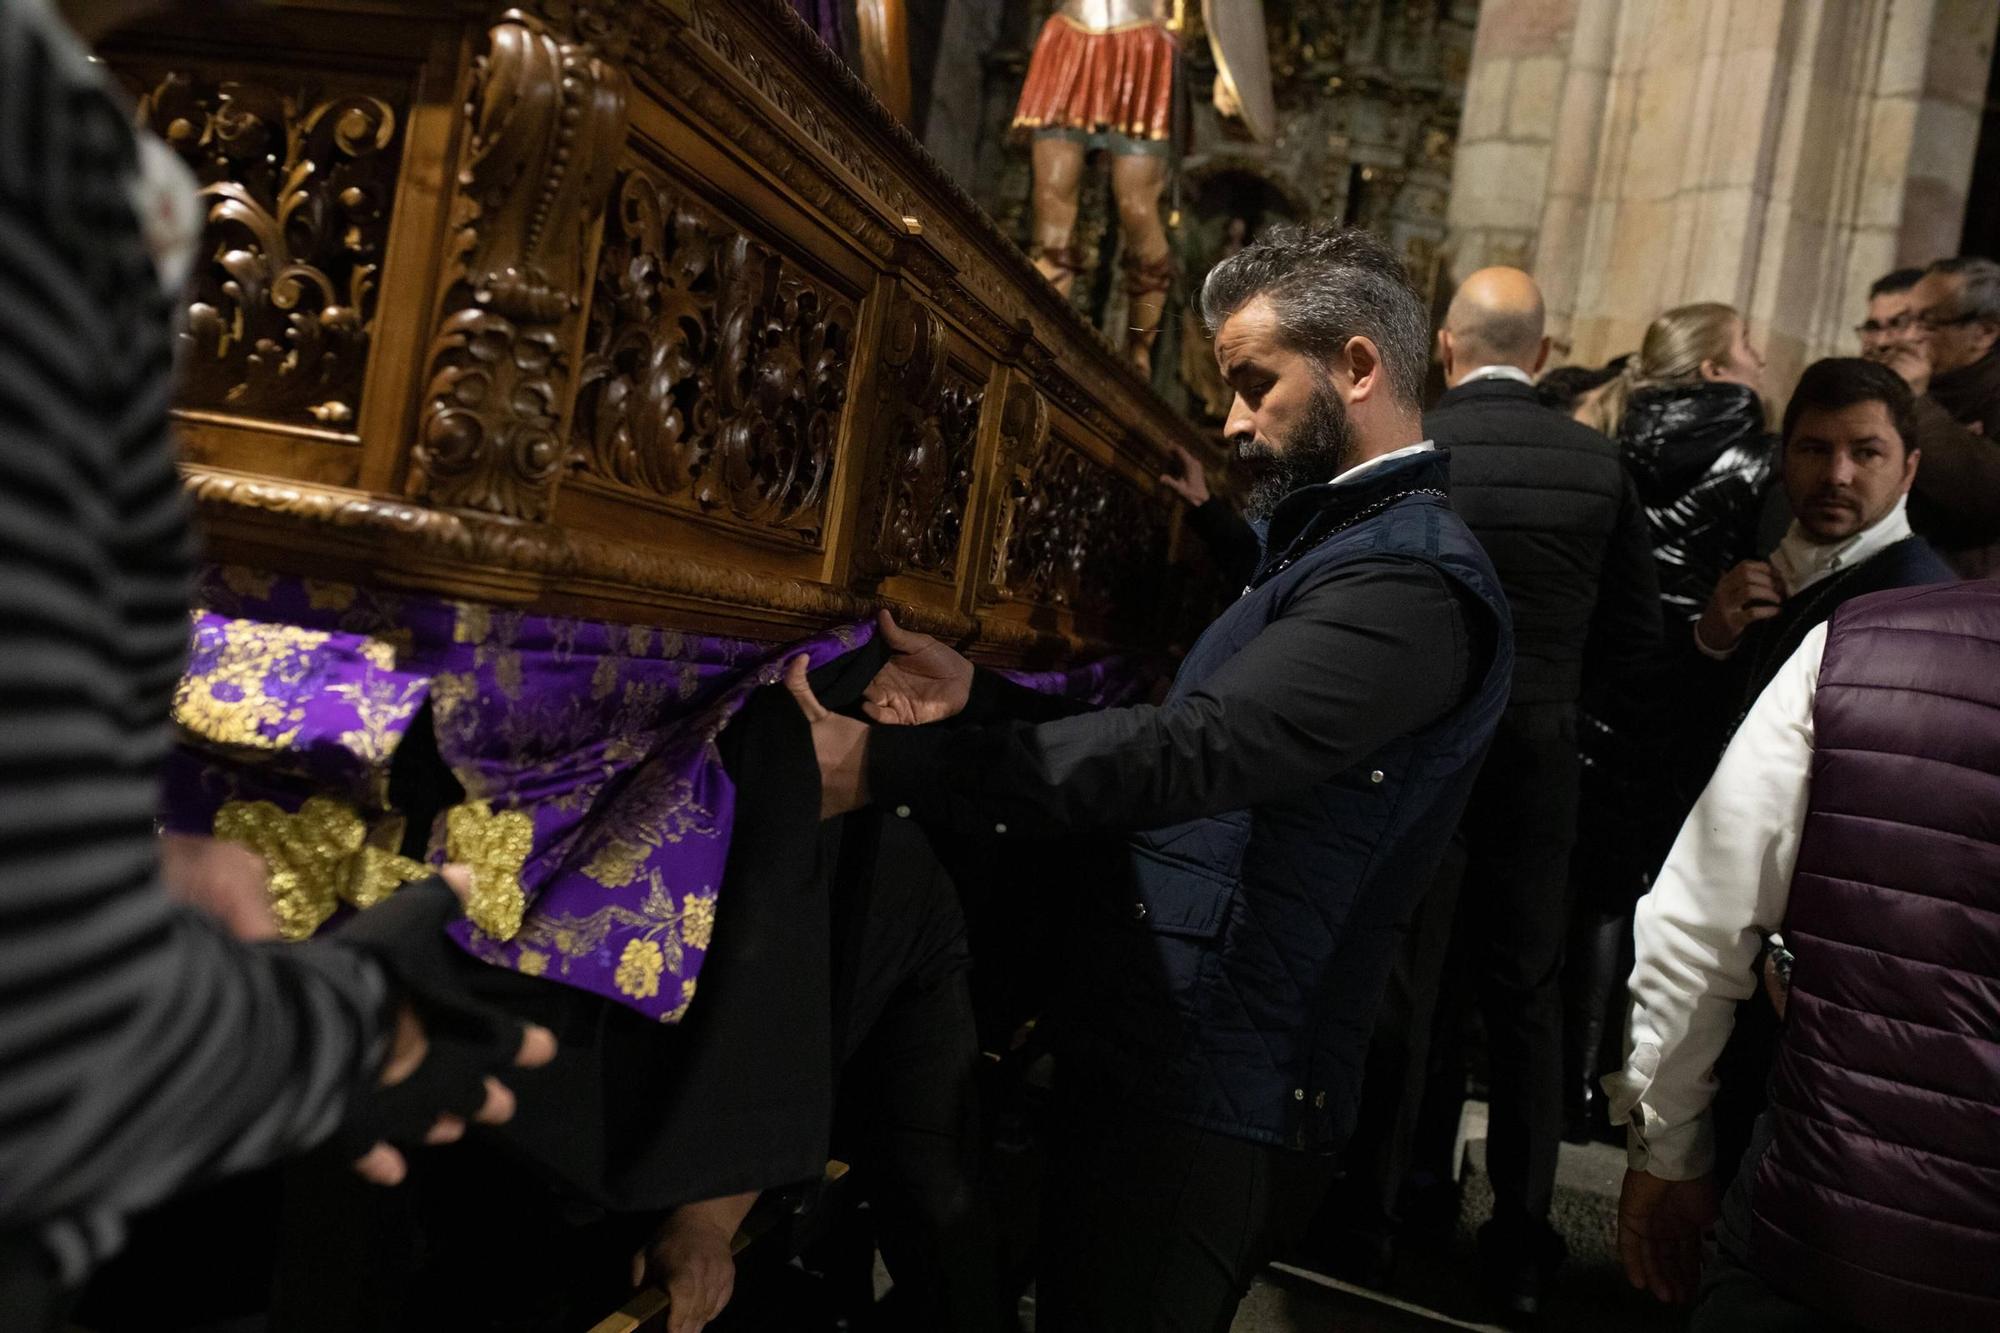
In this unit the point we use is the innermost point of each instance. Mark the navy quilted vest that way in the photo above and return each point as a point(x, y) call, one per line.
point(1879, 1197)
point(1265, 936)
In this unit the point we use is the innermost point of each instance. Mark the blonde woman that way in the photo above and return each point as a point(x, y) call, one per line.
point(1688, 416)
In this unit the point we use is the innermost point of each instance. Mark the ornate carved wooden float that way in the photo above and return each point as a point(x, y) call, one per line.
point(643, 310)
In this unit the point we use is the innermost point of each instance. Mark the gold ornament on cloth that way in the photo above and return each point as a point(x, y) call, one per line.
point(639, 969)
point(317, 859)
point(494, 847)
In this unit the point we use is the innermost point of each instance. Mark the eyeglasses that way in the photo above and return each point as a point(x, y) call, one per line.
point(1933, 322)
point(1896, 325)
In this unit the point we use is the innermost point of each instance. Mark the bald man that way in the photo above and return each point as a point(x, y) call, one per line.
point(1550, 501)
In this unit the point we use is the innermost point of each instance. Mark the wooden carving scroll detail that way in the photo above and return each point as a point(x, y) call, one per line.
point(297, 187)
point(714, 373)
point(1084, 538)
point(530, 558)
point(927, 417)
point(547, 119)
point(1024, 441)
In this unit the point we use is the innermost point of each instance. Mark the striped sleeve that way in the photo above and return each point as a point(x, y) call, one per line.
point(141, 1049)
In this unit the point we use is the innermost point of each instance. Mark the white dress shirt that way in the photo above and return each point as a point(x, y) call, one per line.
point(1497, 373)
point(1379, 459)
point(1697, 933)
point(1800, 562)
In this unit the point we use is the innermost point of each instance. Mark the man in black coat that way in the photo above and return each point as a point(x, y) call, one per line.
point(1553, 506)
point(1550, 502)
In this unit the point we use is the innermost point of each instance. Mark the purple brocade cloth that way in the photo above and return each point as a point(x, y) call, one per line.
point(597, 810)
point(823, 17)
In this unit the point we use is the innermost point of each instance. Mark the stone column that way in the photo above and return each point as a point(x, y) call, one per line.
point(1774, 154)
point(1949, 100)
point(1512, 92)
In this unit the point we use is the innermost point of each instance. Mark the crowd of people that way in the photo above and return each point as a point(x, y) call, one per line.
point(1573, 676)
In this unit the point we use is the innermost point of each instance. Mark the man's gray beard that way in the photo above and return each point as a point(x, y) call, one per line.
point(1320, 449)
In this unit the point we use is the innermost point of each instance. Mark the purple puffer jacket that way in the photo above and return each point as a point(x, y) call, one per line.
point(1879, 1199)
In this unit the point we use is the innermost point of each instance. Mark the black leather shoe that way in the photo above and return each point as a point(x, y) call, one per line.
point(1517, 1267)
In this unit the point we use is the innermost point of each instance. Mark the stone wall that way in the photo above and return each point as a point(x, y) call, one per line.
point(1775, 154)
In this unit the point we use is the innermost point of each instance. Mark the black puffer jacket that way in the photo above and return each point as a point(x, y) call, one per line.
point(1703, 461)
point(1704, 465)
point(1566, 532)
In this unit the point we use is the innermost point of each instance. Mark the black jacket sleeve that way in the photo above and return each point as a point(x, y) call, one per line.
point(1960, 473)
point(1624, 645)
point(1375, 650)
point(994, 698)
point(1231, 540)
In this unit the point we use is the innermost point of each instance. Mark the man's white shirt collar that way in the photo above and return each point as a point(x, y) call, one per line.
point(1514, 373)
point(1801, 562)
point(1406, 451)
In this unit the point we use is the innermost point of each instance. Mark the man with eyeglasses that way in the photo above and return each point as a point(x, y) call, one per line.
point(1891, 313)
point(1952, 364)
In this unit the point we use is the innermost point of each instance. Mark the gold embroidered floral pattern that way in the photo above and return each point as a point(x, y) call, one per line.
point(240, 686)
point(604, 679)
point(679, 1011)
point(382, 705)
point(662, 927)
point(531, 963)
point(698, 919)
point(494, 847)
point(322, 596)
point(246, 582)
point(317, 858)
point(639, 969)
point(659, 808)
point(474, 623)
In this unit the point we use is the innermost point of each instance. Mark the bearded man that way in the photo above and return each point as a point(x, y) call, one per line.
point(1291, 798)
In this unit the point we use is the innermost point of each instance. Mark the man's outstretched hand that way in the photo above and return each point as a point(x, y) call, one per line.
point(839, 743)
point(1660, 1224)
point(923, 680)
point(1191, 482)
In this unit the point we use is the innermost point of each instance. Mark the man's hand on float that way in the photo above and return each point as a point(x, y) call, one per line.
point(417, 1079)
point(224, 879)
point(1190, 482)
point(1747, 594)
point(923, 680)
point(691, 1256)
point(839, 743)
point(1660, 1225)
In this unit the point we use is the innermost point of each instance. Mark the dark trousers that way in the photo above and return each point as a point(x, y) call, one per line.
point(908, 1110)
point(1396, 1119)
point(31, 1300)
point(1490, 931)
point(1734, 1298)
point(1150, 1225)
point(1513, 918)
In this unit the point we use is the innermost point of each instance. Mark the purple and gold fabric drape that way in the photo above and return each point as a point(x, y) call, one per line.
point(597, 811)
point(823, 17)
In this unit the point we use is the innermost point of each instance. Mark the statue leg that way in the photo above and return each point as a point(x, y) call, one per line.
point(1137, 179)
point(1058, 181)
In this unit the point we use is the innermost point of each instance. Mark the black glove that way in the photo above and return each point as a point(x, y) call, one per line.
point(467, 1040)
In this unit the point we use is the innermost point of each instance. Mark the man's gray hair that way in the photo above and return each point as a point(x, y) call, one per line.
point(1326, 285)
point(1979, 294)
